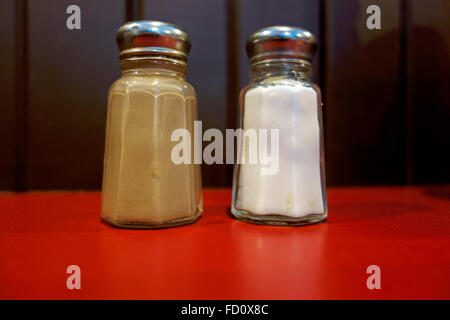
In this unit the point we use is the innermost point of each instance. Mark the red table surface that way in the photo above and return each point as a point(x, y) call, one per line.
point(403, 230)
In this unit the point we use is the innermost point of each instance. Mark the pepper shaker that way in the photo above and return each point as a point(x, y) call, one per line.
point(142, 186)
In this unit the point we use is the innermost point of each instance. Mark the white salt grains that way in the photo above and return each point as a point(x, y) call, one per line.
point(296, 190)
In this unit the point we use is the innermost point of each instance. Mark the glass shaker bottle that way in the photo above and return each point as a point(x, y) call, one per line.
point(281, 109)
point(142, 186)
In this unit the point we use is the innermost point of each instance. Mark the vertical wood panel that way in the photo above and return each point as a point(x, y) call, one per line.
point(70, 72)
point(233, 26)
point(365, 126)
point(134, 9)
point(429, 77)
point(58, 123)
point(205, 23)
point(7, 88)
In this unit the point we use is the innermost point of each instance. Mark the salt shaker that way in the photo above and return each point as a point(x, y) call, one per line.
point(142, 186)
point(280, 97)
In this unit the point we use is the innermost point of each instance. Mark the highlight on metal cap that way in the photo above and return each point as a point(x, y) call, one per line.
point(138, 38)
point(281, 42)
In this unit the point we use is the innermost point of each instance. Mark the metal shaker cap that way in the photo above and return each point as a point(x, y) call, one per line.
point(281, 42)
point(139, 38)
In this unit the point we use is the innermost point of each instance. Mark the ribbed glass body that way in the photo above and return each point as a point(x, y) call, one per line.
point(290, 188)
point(142, 186)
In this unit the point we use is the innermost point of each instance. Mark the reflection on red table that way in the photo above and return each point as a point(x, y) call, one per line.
point(404, 230)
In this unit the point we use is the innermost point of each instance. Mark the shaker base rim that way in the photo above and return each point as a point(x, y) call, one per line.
point(152, 225)
point(278, 220)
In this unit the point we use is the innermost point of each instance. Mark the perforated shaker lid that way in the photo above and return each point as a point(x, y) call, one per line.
point(139, 38)
point(281, 42)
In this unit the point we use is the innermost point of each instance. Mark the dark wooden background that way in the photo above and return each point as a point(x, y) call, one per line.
point(385, 92)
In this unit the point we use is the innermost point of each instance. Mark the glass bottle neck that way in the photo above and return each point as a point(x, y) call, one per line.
point(154, 65)
point(280, 68)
